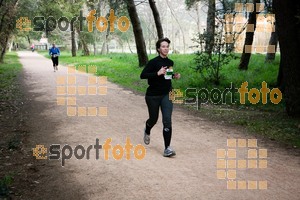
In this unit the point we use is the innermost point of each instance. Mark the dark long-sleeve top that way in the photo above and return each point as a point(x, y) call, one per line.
point(158, 85)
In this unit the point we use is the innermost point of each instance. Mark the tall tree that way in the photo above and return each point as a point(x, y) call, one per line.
point(47, 8)
point(210, 26)
point(84, 37)
point(287, 19)
point(104, 49)
point(210, 22)
point(73, 43)
point(8, 10)
point(116, 6)
point(93, 5)
point(160, 33)
point(245, 59)
point(74, 10)
point(138, 33)
point(270, 56)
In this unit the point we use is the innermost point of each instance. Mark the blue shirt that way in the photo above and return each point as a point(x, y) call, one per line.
point(54, 50)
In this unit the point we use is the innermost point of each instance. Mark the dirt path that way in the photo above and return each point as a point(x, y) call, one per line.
point(192, 174)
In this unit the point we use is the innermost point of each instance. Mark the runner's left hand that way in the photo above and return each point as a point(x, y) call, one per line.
point(177, 76)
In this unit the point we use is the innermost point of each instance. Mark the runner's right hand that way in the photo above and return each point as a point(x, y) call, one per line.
point(162, 71)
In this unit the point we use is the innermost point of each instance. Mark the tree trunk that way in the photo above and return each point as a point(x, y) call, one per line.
point(2, 21)
point(210, 27)
point(149, 45)
point(104, 49)
point(95, 48)
point(82, 43)
point(73, 43)
point(104, 46)
point(129, 45)
point(273, 41)
point(244, 62)
point(28, 39)
point(4, 46)
point(86, 50)
point(289, 41)
point(79, 44)
point(138, 33)
point(160, 33)
point(7, 24)
point(11, 45)
point(280, 83)
point(198, 18)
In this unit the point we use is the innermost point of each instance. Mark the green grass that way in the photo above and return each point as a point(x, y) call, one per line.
point(5, 182)
point(9, 70)
point(123, 68)
point(275, 125)
point(268, 120)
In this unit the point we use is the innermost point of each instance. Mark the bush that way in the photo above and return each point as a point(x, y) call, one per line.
point(209, 65)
